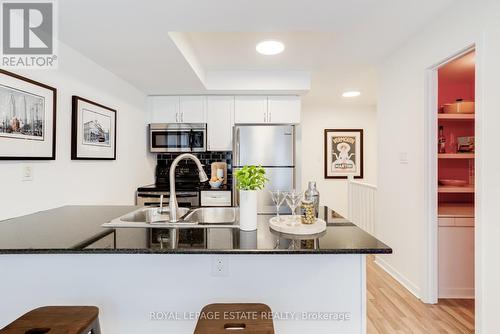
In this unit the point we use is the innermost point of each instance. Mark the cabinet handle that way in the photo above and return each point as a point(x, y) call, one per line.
point(265, 114)
point(182, 116)
point(269, 116)
point(177, 117)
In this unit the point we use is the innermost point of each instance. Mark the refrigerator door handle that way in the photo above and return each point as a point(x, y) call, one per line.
point(236, 162)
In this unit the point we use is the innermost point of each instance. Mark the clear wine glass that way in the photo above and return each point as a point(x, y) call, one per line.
point(278, 198)
point(293, 198)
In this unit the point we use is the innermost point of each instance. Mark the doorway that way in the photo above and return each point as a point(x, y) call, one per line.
point(452, 161)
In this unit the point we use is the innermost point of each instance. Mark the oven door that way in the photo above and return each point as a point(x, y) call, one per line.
point(177, 138)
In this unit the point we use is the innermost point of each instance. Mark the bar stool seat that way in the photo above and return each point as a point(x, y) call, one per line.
point(56, 320)
point(235, 318)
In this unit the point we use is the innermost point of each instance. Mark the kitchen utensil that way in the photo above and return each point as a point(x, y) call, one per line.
point(220, 173)
point(453, 183)
point(459, 107)
point(215, 166)
point(215, 184)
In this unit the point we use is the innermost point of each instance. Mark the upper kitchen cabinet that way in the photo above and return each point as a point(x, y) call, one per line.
point(177, 109)
point(164, 109)
point(267, 110)
point(250, 109)
point(192, 109)
point(283, 109)
point(220, 121)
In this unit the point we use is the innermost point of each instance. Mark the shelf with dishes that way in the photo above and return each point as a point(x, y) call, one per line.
point(456, 210)
point(467, 189)
point(470, 117)
point(465, 155)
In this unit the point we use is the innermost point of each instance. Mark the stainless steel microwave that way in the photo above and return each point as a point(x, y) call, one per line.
point(177, 137)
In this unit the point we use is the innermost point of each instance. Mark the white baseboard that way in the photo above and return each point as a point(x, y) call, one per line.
point(457, 293)
point(409, 285)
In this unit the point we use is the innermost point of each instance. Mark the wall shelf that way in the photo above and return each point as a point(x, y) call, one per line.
point(457, 116)
point(461, 210)
point(456, 155)
point(456, 190)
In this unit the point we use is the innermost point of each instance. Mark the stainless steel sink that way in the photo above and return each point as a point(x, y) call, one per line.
point(151, 216)
point(202, 218)
point(213, 216)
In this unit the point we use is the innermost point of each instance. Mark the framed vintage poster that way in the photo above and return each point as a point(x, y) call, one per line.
point(343, 153)
point(27, 119)
point(93, 131)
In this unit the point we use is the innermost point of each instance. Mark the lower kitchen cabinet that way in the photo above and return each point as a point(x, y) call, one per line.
point(215, 198)
point(456, 257)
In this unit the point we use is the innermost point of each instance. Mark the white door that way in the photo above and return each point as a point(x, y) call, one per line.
point(284, 109)
point(192, 109)
point(220, 121)
point(164, 109)
point(250, 109)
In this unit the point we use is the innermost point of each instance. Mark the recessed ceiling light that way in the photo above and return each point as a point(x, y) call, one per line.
point(352, 93)
point(270, 47)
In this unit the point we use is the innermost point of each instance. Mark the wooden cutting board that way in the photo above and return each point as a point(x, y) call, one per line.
point(219, 165)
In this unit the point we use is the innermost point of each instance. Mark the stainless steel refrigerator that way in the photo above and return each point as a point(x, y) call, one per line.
point(272, 147)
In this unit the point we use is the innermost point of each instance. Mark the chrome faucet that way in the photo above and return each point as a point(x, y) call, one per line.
point(173, 206)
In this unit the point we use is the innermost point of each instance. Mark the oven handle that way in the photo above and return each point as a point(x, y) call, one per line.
point(191, 139)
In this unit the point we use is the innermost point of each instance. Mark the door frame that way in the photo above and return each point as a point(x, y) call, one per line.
point(430, 270)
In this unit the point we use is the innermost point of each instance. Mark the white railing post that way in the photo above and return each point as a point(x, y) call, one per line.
point(361, 204)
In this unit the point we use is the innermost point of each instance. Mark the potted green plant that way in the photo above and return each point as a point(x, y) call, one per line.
point(250, 179)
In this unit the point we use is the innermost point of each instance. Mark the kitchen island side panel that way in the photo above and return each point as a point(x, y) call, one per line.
point(130, 290)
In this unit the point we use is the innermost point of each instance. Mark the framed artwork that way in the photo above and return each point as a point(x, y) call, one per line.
point(343, 153)
point(93, 131)
point(27, 118)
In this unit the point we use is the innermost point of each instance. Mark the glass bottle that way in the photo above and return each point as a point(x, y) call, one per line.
point(312, 194)
point(441, 141)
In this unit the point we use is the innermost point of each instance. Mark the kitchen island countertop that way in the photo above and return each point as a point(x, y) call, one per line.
point(75, 229)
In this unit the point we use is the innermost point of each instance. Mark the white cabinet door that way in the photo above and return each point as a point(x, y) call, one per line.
point(250, 109)
point(192, 109)
point(164, 109)
point(284, 109)
point(215, 198)
point(220, 121)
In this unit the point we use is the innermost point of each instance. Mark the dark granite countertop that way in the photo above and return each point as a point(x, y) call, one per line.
point(71, 229)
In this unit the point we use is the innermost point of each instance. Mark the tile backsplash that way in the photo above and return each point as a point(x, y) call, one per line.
point(206, 159)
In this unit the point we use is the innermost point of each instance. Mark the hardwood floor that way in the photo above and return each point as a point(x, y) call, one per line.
point(393, 309)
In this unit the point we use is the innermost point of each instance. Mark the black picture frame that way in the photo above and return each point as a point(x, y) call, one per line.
point(53, 92)
point(340, 132)
point(75, 128)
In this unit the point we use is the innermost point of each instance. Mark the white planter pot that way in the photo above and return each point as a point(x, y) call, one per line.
point(248, 210)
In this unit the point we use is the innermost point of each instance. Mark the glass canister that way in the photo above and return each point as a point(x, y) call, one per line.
point(308, 214)
point(312, 194)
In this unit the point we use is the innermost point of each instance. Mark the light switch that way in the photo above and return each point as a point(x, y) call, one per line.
point(27, 173)
point(403, 158)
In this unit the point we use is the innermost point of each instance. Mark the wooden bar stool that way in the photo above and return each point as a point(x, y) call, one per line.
point(235, 318)
point(56, 320)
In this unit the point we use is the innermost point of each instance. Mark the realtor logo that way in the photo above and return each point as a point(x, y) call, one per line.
point(28, 34)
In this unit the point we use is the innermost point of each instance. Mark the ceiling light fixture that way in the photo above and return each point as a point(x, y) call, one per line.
point(352, 93)
point(270, 47)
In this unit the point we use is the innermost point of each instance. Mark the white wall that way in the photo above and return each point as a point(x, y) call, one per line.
point(401, 207)
point(315, 119)
point(64, 181)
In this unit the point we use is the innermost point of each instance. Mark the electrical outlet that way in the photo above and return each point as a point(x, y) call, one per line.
point(220, 266)
point(27, 173)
